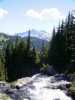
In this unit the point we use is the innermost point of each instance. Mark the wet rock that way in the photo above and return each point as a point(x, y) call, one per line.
point(17, 87)
point(22, 81)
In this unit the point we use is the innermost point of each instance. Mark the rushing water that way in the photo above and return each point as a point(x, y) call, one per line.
point(40, 87)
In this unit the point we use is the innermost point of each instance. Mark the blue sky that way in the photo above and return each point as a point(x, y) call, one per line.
point(21, 15)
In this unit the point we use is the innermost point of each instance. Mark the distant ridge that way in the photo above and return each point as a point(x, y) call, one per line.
point(35, 40)
point(34, 33)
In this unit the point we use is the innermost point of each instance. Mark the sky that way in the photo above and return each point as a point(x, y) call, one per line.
point(21, 15)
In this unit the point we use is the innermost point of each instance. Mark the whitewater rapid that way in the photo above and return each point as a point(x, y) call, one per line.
point(40, 87)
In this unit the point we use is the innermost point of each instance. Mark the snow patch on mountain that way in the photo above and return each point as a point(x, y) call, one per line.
point(34, 33)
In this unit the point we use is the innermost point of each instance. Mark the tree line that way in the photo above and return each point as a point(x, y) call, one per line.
point(19, 59)
point(61, 52)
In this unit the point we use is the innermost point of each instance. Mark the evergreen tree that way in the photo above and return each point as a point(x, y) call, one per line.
point(43, 54)
point(28, 42)
point(70, 42)
point(56, 54)
point(20, 60)
point(2, 64)
point(8, 61)
point(34, 55)
point(68, 31)
point(51, 50)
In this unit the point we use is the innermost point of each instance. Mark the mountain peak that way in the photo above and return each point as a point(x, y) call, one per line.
point(34, 33)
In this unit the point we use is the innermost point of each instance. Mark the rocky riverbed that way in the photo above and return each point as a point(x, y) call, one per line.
point(37, 87)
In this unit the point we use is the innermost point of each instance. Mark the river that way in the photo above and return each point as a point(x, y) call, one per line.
point(38, 87)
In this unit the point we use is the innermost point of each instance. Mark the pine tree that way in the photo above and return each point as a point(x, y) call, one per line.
point(28, 42)
point(70, 42)
point(43, 54)
point(8, 61)
point(2, 64)
point(56, 53)
point(51, 48)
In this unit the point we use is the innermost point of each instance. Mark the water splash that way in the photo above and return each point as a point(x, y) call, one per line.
point(40, 87)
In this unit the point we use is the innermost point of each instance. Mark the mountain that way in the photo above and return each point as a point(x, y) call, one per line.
point(3, 37)
point(34, 33)
point(35, 41)
point(37, 37)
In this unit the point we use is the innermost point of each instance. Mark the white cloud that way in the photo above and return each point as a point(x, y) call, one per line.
point(3, 13)
point(45, 14)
